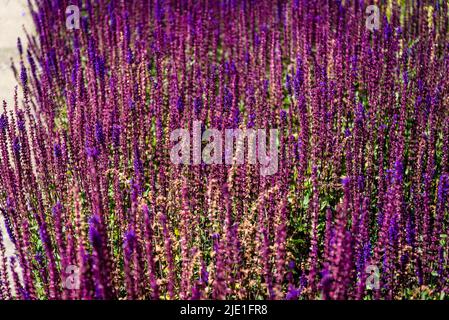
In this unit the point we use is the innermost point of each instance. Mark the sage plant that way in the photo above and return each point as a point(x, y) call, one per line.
point(358, 205)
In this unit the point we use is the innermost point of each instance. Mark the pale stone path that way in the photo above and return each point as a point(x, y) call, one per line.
point(14, 16)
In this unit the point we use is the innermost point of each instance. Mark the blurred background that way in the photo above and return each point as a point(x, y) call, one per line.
point(14, 17)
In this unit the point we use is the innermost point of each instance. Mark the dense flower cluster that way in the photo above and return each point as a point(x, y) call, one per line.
point(96, 209)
